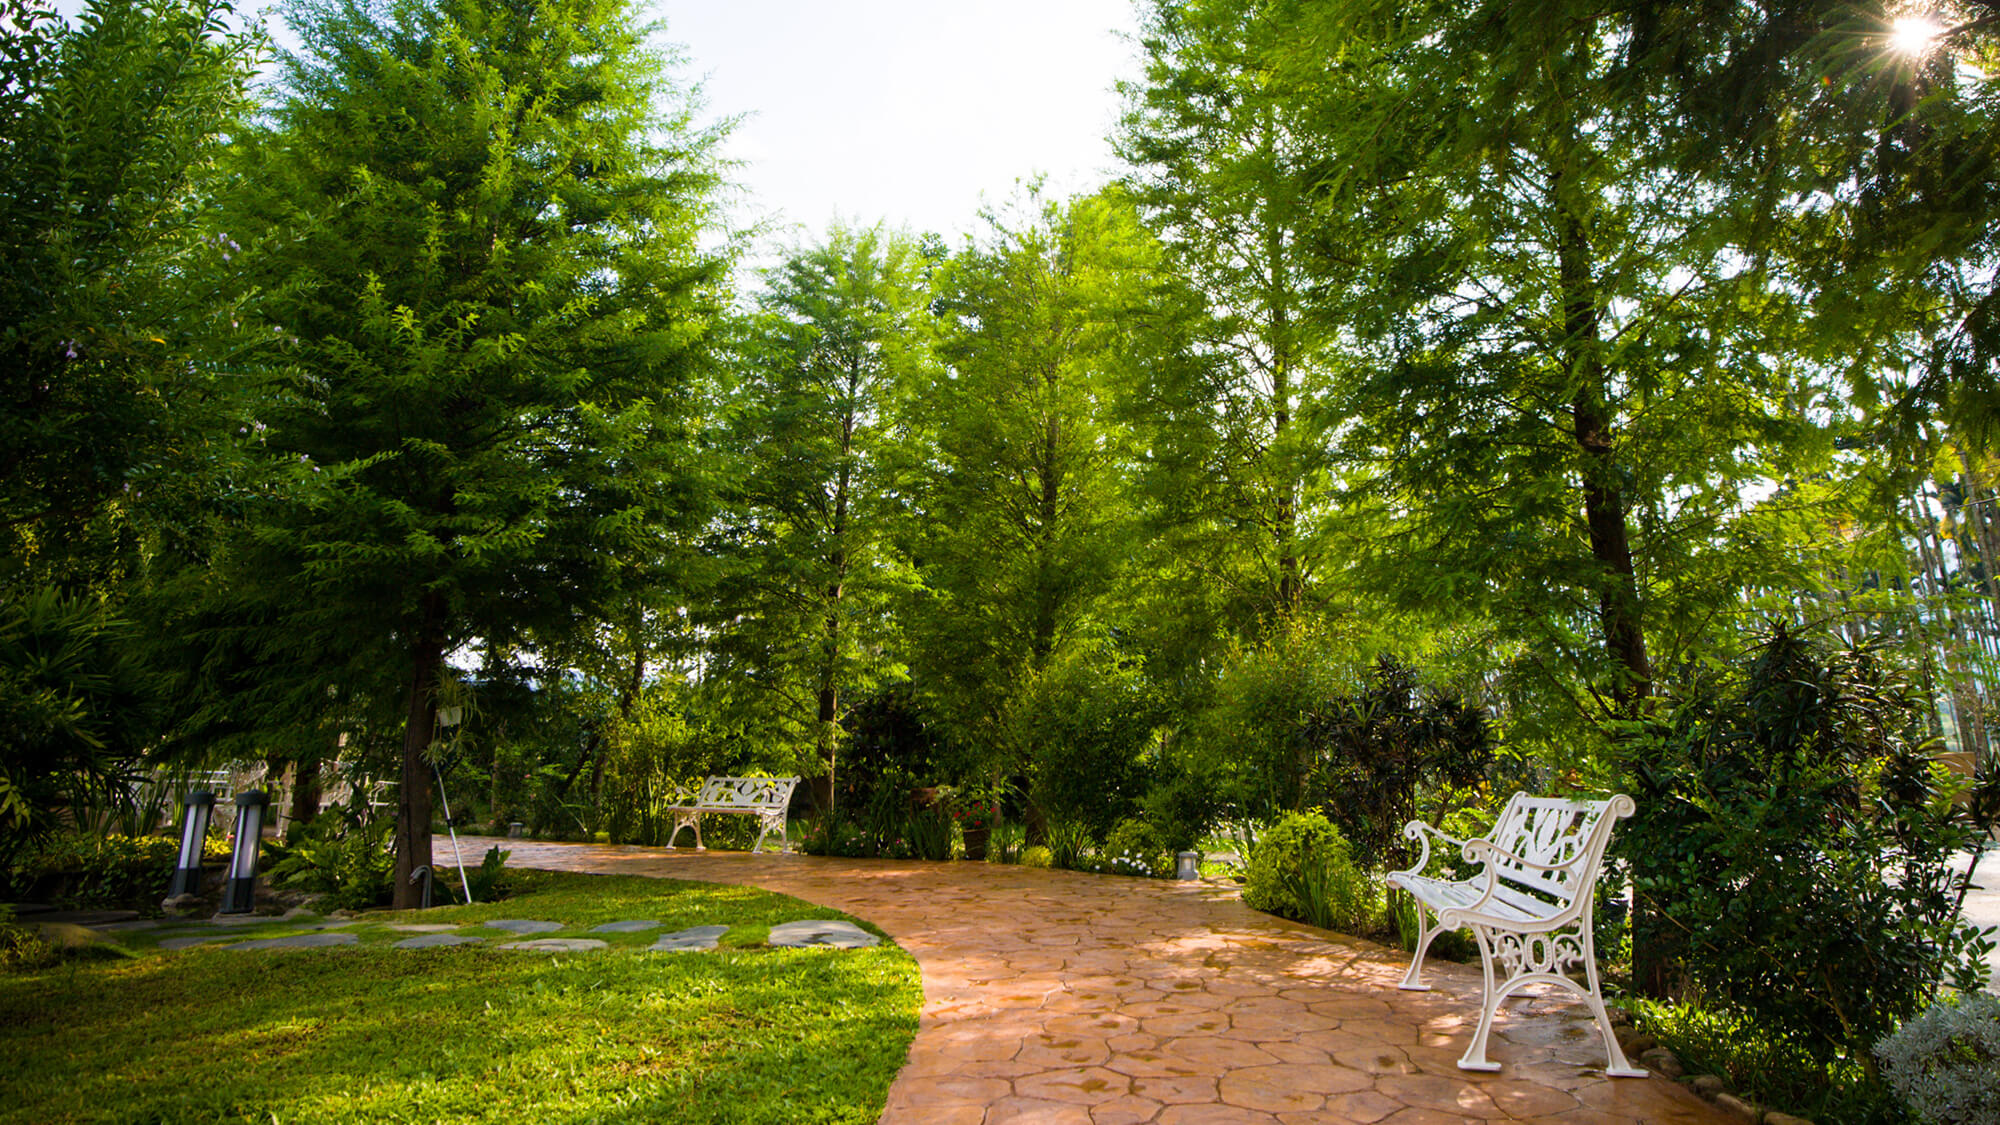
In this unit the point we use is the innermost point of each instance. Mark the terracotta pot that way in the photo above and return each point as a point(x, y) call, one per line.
point(975, 842)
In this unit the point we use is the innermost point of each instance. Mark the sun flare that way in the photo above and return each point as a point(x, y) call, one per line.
point(1914, 35)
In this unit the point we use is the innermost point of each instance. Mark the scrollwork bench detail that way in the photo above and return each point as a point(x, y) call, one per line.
point(1528, 905)
point(765, 798)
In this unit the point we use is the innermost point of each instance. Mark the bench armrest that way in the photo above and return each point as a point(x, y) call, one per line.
point(1422, 833)
point(1479, 851)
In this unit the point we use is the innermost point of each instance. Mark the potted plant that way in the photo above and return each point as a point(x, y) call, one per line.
point(975, 813)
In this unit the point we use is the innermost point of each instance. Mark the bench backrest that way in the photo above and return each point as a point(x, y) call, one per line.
point(747, 792)
point(1554, 830)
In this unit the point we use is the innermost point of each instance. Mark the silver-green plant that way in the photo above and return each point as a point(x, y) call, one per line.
point(1946, 1062)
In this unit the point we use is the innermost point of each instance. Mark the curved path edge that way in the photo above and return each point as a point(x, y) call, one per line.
point(1060, 998)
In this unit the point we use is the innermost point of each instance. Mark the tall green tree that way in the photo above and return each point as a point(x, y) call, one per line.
point(1237, 435)
point(1027, 524)
point(829, 361)
point(1576, 381)
point(483, 235)
point(116, 298)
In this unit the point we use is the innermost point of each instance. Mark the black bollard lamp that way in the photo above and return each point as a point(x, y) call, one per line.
point(194, 832)
point(238, 896)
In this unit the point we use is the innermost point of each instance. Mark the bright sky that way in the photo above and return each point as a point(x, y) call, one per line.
point(908, 110)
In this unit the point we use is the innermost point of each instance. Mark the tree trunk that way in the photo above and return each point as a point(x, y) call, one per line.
point(827, 716)
point(1618, 608)
point(413, 794)
point(305, 791)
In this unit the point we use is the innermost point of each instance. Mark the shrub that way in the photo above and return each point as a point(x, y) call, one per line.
point(1791, 851)
point(1137, 847)
point(1182, 806)
point(651, 754)
point(22, 948)
point(79, 869)
point(1946, 1062)
point(928, 831)
point(833, 834)
point(488, 881)
point(1295, 725)
point(1765, 1069)
point(1038, 856)
point(77, 709)
point(352, 867)
point(1068, 840)
point(1303, 868)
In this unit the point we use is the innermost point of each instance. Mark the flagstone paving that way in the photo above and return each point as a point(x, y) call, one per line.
point(1052, 998)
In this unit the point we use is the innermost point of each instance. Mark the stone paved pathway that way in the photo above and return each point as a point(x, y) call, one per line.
point(1053, 998)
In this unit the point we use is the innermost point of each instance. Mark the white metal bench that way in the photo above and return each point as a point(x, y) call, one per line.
point(765, 798)
point(1529, 905)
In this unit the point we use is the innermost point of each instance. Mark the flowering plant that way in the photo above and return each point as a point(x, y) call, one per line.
point(975, 814)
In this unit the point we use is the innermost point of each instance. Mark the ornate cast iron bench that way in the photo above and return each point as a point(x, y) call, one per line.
point(765, 798)
point(1529, 905)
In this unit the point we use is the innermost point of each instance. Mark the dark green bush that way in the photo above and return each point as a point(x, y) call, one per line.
point(352, 867)
point(1068, 843)
point(927, 832)
point(1790, 852)
point(1182, 806)
point(833, 834)
point(1296, 726)
point(77, 709)
point(83, 870)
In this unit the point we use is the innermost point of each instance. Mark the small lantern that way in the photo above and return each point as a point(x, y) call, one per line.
point(1187, 865)
point(194, 832)
point(240, 892)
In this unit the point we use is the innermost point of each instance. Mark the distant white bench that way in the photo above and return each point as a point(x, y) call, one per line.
point(765, 798)
point(1529, 905)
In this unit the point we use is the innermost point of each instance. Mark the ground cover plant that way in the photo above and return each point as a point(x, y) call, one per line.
point(743, 1033)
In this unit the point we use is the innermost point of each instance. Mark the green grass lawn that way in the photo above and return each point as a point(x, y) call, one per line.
point(744, 1033)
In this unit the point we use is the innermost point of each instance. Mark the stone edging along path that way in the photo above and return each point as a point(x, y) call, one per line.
point(1052, 997)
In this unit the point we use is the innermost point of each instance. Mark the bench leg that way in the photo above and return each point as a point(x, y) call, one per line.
point(1540, 959)
point(1427, 929)
point(1489, 1003)
point(766, 823)
point(686, 820)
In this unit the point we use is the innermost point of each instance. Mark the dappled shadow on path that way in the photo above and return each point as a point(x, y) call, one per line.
point(1055, 997)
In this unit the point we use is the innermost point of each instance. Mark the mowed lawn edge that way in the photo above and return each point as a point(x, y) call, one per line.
point(474, 1033)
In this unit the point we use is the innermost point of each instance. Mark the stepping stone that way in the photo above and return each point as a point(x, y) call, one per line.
point(190, 942)
point(557, 945)
point(423, 927)
point(242, 919)
point(524, 926)
point(636, 926)
point(838, 935)
point(126, 927)
point(297, 941)
point(432, 941)
point(700, 937)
